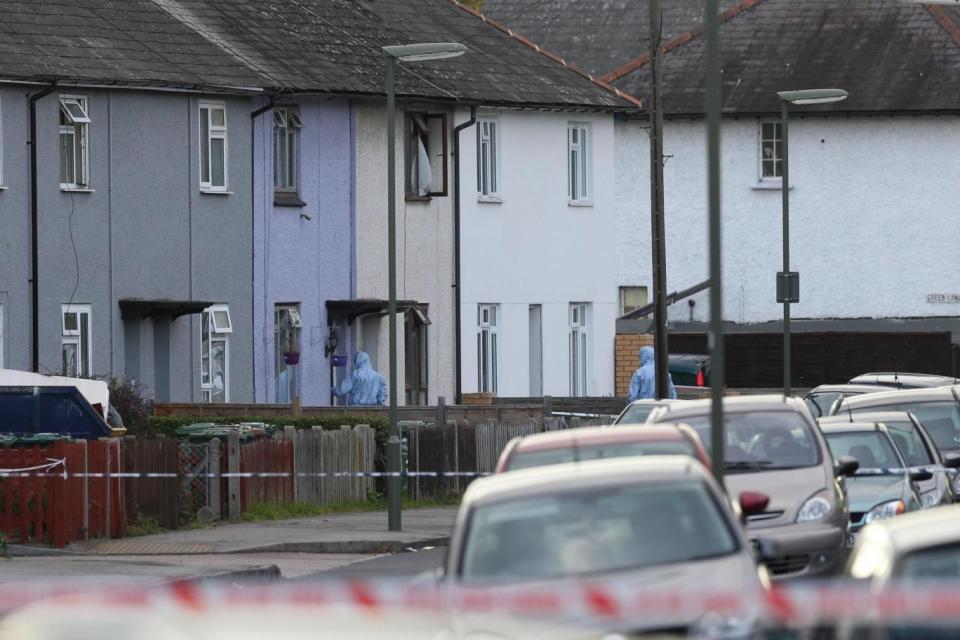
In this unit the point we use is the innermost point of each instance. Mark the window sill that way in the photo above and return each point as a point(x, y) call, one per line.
point(3, 187)
point(216, 192)
point(490, 199)
point(410, 198)
point(768, 186)
point(578, 203)
point(69, 189)
point(287, 199)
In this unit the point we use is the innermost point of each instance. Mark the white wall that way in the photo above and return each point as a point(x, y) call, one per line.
point(424, 248)
point(873, 215)
point(534, 248)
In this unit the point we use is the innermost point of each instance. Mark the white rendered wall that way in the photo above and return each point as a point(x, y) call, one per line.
point(534, 248)
point(424, 248)
point(873, 217)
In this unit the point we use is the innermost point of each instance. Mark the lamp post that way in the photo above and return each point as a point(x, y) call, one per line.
point(420, 52)
point(788, 282)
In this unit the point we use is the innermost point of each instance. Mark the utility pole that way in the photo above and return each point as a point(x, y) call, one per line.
point(658, 236)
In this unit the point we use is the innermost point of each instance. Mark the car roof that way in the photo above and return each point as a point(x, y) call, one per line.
point(598, 435)
point(868, 416)
point(851, 427)
point(574, 475)
point(901, 396)
point(655, 402)
point(764, 402)
point(919, 529)
point(926, 379)
point(853, 388)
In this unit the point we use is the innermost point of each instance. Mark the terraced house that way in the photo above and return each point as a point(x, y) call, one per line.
point(241, 251)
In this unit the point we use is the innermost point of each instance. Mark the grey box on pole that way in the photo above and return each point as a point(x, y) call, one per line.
point(788, 286)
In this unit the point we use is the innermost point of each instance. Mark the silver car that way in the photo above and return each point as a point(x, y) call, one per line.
point(657, 522)
point(638, 411)
point(899, 380)
point(773, 443)
point(820, 399)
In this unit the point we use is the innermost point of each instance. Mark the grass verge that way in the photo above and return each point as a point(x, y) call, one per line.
point(265, 511)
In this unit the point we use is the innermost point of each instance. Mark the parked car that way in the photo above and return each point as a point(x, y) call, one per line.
point(689, 369)
point(899, 380)
point(637, 411)
point(592, 443)
point(820, 399)
point(917, 448)
point(773, 442)
point(937, 409)
point(658, 523)
point(28, 411)
point(883, 486)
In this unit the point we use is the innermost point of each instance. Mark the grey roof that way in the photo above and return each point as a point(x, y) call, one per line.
point(891, 56)
point(325, 46)
point(596, 35)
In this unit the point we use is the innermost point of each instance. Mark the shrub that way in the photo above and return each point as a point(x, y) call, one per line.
point(135, 409)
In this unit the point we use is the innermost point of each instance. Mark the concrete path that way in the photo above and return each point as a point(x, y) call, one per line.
point(347, 533)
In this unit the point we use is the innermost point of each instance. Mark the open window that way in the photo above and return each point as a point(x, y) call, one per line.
point(74, 124)
point(76, 353)
point(287, 327)
point(215, 354)
point(426, 146)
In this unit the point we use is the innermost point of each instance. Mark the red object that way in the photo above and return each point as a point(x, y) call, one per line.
point(701, 381)
point(268, 456)
point(752, 502)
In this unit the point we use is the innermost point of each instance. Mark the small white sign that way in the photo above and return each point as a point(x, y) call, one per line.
point(948, 298)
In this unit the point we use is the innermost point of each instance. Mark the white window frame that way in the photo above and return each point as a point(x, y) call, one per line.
point(214, 132)
point(623, 302)
point(75, 109)
point(206, 349)
point(761, 139)
point(286, 311)
point(287, 123)
point(579, 163)
point(579, 348)
point(488, 347)
point(75, 337)
point(488, 159)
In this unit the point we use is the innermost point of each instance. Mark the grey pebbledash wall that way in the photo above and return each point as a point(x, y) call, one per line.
point(143, 231)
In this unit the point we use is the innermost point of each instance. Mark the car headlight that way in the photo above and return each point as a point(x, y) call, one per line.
point(816, 508)
point(886, 510)
point(930, 499)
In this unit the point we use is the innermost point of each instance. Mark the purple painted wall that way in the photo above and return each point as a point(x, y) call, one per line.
point(304, 254)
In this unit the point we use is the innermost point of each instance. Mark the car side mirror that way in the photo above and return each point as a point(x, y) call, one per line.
point(765, 549)
point(952, 461)
point(920, 475)
point(846, 466)
point(752, 503)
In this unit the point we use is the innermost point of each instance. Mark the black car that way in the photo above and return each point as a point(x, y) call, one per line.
point(27, 411)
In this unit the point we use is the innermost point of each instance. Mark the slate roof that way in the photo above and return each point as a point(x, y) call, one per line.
point(890, 55)
point(322, 46)
point(596, 35)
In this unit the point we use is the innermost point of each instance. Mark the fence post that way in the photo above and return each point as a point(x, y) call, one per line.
point(547, 406)
point(213, 478)
point(233, 468)
point(456, 453)
point(290, 435)
point(441, 418)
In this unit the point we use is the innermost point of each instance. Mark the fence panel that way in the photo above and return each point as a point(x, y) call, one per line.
point(157, 498)
point(492, 439)
point(347, 450)
point(266, 456)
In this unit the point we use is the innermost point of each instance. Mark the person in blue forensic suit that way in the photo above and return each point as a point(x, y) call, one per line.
point(364, 387)
point(643, 385)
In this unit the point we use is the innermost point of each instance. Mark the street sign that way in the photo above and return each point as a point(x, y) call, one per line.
point(788, 286)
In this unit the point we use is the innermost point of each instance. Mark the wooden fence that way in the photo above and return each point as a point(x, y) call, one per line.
point(158, 498)
point(351, 450)
point(61, 503)
point(267, 457)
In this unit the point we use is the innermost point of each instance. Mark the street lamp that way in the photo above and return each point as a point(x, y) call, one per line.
point(788, 282)
point(420, 52)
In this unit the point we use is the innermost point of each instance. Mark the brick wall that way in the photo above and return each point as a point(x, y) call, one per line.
point(625, 358)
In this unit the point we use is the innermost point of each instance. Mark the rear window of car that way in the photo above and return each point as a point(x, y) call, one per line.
point(871, 449)
point(940, 419)
point(820, 403)
point(910, 443)
point(529, 459)
point(636, 414)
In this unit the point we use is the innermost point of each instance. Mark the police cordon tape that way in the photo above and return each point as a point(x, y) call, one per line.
point(594, 602)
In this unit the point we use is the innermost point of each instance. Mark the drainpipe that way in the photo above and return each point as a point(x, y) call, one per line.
point(34, 224)
point(456, 249)
point(253, 234)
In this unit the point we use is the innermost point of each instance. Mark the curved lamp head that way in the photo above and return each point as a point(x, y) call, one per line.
point(424, 51)
point(812, 96)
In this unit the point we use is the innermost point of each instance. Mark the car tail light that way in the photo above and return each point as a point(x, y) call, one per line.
point(701, 382)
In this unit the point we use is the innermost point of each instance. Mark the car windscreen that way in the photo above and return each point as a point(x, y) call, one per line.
point(932, 564)
point(872, 449)
point(580, 453)
point(820, 403)
point(940, 419)
point(636, 414)
point(760, 440)
point(910, 443)
point(595, 531)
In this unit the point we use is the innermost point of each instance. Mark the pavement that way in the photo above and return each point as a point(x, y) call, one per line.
point(266, 550)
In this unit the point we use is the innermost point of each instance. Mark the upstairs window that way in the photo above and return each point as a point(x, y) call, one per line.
point(771, 151)
point(579, 159)
point(488, 158)
point(74, 133)
point(75, 347)
point(286, 149)
point(213, 146)
point(216, 327)
point(632, 298)
point(426, 147)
